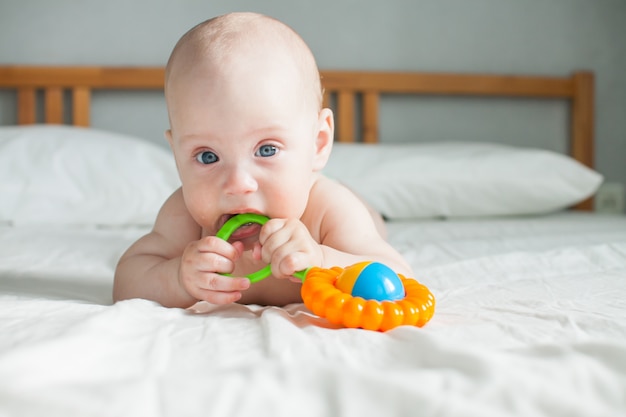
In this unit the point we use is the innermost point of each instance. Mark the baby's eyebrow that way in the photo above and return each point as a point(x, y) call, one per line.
point(193, 140)
point(269, 129)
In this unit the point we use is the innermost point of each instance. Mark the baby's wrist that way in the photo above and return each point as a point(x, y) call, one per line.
point(179, 283)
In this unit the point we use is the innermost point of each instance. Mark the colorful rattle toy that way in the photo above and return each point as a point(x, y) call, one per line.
point(368, 295)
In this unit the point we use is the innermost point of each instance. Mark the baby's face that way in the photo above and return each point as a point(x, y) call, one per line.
point(243, 143)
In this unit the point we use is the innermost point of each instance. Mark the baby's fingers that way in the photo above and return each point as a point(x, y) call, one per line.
point(206, 257)
point(219, 289)
point(287, 264)
point(221, 283)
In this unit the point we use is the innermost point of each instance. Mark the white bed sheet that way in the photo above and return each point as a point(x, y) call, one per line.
point(530, 321)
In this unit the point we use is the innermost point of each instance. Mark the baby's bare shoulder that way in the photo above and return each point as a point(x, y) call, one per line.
point(174, 214)
point(332, 203)
point(334, 194)
point(173, 229)
point(326, 188)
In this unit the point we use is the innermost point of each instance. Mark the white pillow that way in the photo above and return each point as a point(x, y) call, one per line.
point(460, 179)
point(72, 175)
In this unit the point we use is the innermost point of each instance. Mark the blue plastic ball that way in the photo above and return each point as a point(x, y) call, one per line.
point(371, 281)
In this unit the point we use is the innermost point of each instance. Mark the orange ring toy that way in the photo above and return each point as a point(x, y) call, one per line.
point(321, 295)
point(366, 295)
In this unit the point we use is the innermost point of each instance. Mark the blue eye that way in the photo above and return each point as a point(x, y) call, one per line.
point(266, 151)
point(207, 157)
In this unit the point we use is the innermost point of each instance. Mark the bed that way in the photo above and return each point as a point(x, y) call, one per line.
point(530, 283)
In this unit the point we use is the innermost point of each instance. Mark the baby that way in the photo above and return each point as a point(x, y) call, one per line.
point(249, 135)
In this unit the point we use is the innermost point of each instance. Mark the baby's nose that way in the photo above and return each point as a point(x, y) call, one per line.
point(240, 181)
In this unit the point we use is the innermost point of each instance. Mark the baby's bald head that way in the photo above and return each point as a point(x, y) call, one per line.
point(220, 44)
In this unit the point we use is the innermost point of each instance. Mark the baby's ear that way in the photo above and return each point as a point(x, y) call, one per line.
point(324, 139)
point(168, 136)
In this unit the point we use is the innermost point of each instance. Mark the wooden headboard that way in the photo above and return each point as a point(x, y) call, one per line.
point(343, 86)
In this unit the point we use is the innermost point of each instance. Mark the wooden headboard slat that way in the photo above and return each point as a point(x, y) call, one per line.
point(53, 105)
point(81, 103)
point(95, 77)
point(26, 106)
point(370, 117)
point(346, 116)
point(582, 140)
point(449, 84)
point(583, 118)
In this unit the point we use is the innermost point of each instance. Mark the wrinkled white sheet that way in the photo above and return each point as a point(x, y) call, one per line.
point(530, 321)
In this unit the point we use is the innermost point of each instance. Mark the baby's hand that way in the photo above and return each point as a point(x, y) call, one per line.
point(288, 246)
point(200, 268)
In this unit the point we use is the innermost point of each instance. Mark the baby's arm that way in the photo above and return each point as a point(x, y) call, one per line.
point(349, 233)
point(174, 266)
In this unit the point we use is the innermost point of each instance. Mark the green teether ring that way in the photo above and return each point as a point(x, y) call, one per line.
point(235, 223)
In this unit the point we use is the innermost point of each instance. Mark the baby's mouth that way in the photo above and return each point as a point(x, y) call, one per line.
point(243, 232)
point(223, 219)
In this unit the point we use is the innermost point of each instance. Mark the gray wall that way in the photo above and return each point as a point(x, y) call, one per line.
point(513, 36)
